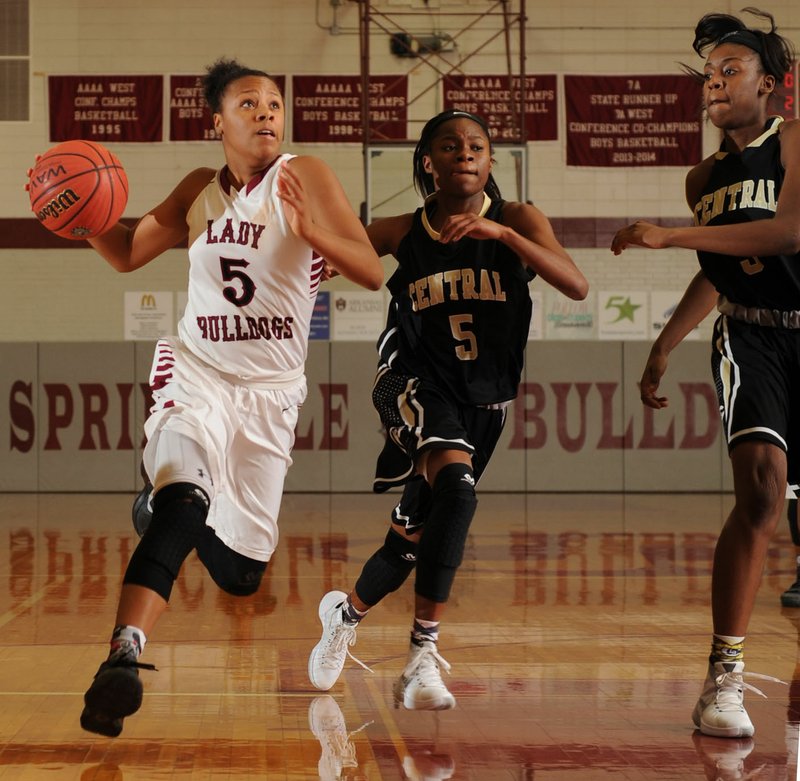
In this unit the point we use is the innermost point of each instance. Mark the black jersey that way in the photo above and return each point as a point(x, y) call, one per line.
point(744, 187)
point(459, 314)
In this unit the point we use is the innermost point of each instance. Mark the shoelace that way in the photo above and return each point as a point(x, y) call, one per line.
point(338, 746)
point(337, 742)
point(123, 657)
point(343, 637)
point(425, 662)
point(730, 687)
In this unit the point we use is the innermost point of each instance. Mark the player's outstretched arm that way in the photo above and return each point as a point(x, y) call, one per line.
point(129, 248)
point(530, 235)
point(318, 211)
point(778, 236)
point(694, 306)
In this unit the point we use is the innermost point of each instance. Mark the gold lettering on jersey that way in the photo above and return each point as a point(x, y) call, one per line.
point(456, 285)
point(245, 233)
point(747, 194)
point(435, 289)
point(452, 278)
point(468, 284)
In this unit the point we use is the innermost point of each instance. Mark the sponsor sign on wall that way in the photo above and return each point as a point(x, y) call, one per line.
point(148, 315)
point(357, 316)
point(568, 319)
point(662, 307)
point(623, 314)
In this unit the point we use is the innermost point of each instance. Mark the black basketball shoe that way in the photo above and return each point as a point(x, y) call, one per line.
point(116, 692)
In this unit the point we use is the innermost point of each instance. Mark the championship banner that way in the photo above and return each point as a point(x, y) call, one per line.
point(494, 99)
point(106, 108)
point(328, 108)
point(189, 115)
point(633, 120)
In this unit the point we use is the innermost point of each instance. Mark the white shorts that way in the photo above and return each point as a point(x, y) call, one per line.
point(246, 433)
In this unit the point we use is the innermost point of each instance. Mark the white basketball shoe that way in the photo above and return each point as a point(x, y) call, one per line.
point(420, 687)
point(328, 656)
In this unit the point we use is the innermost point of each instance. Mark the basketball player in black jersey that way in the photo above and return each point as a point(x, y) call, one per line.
point(746, 204)
point(449, 364)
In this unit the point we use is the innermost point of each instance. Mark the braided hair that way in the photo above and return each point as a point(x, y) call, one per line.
point(423, 181)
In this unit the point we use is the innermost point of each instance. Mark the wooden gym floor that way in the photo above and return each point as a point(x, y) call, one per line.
point(577, 635)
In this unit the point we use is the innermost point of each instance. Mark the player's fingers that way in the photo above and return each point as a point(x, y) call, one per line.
point(288, 176)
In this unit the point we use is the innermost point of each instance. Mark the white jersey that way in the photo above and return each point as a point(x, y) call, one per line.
point(252, 282)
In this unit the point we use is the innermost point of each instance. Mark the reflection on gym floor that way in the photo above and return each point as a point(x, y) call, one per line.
point(577, 633)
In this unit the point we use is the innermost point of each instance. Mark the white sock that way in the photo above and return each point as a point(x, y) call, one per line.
point(128, 634)
point(425, 630)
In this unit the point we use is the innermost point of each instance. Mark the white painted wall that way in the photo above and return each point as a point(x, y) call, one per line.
point(72, 295)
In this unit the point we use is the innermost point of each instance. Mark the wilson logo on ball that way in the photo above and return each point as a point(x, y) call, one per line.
point(78, 189)
point(60, 203)
point(40, 178)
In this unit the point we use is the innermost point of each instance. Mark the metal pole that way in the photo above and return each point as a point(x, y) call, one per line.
point(365, 127)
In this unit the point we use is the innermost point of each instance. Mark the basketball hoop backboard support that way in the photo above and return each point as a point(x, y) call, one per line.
point(501, 25)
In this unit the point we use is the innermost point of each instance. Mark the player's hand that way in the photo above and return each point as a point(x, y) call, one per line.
point(457, 226)
point(639, 234)
point(651, 378)
point(29, 172)
point(295, 203)
point(328, 271)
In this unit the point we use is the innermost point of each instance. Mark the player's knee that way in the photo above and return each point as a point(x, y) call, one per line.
point(179, 513)
point(387, 569)
point(170, 499)
point(241, 580)
point(454, 503)
point(233, 572)
point(444, 538)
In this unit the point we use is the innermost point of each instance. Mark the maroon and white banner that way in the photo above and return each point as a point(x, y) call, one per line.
point(328, 108)
point(633, 120)
point(497, 98)
point(106, 108)
point(189, 115)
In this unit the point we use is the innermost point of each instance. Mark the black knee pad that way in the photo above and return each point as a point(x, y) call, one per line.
point(233, 572)
point(387, 569)
point(178, 526)
point(444, 537)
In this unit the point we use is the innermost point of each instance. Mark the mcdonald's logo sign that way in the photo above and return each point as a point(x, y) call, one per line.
point(148, 301)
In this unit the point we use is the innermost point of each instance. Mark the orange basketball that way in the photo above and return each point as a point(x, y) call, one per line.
point(78, 189)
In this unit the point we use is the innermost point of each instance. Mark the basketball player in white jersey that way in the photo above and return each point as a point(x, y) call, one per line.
point(226, 389)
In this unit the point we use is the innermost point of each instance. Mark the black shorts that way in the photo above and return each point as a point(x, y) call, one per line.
point(756, 373)
point(417, 416)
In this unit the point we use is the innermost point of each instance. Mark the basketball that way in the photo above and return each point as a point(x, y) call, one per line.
point(78, 189)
